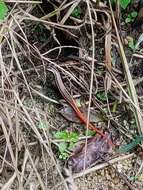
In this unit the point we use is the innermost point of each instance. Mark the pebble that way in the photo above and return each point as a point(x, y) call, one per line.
point(102, 172)
point(113, 175)
point(108, 177)
point(116, 180)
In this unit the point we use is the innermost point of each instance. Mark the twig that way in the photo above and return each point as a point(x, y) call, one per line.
point(69, 12)
point(103, 165)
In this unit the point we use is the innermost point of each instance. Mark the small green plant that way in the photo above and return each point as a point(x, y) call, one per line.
point(3, 10)
point(63, 149)
point(133, 178)
point(76, 12)
point(91, 133)
point(66, 136)
point(131, 43)
point(131, 17)
point(132, 145)
point(68, 141)
point(101, 96)
point(124, 3)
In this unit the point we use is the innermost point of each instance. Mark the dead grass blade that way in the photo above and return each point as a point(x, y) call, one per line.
point(56, 11)
point(108, 26)
point(35, 169)
point(108, 51)
point(108, 64)
point(3, 125)
point(48, 23)
point(25, 159)
point(68, 13)
point(91, 80)
point(35, 130)
point(21, 119)
point(70, 181)
point(9, 182)
point(31, 173)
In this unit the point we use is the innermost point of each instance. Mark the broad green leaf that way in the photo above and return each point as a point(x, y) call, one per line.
point(61, 135)
point(3, 10)
point(69, 139)
point(124, 3)
point(101, 96)
point(73, 137)
point(76, 12)
point(131, 145)
point(131, 43)
point(128, 20)
point(91, 133)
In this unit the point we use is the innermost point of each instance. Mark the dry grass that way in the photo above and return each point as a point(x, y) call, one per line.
point(18, 150)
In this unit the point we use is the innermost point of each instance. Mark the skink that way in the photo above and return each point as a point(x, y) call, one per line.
point(72, 103)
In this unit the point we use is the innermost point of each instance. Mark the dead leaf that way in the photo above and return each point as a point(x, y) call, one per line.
point(97, 147)
point(69, 114)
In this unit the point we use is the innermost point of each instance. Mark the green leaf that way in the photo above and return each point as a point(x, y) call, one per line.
point(66, 136)
point(61, 135)
point(101, 96)
point(71, 145)
point(132, 145)
point(124, 3)
point(76, 12)
point(69, 139)
point(133, 178)
point(62, 149)
point(73, 137)
point(63, 156)
point(131, 43)
point(62, 146)
point(134, 14)
point(91, 133)
point(128, 20)
point(3, 10)
point(131, 17)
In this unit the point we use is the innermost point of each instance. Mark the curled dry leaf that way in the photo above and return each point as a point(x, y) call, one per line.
point(69, 114)
point(85, 156)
